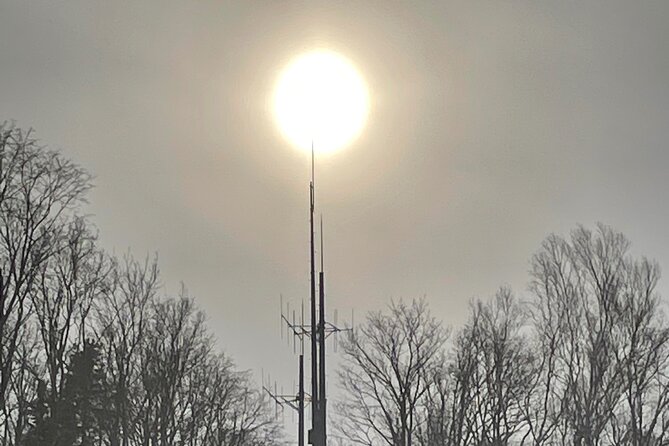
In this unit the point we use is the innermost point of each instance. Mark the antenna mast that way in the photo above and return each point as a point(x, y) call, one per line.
point(318, 331)
point(315, 406)
point(321, 348)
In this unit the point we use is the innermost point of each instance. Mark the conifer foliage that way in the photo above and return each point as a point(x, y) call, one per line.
point(90, 353)
point(76, 417)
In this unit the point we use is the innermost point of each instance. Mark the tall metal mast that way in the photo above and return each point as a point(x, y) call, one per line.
point(318, 331)
point(321, 347)
point(300, 403)
point(315, 406)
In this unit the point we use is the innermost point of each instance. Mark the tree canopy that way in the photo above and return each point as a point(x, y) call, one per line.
point(90, 352)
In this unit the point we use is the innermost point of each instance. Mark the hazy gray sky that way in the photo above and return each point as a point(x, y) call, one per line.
point(492, 124)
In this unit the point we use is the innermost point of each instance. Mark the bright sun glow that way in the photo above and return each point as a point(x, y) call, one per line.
point(320, 96)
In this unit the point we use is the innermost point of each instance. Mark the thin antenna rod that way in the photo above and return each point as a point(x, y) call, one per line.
point(281, 317)
point(293, 332)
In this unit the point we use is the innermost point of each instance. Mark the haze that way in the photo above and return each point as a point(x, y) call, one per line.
point(492, 124)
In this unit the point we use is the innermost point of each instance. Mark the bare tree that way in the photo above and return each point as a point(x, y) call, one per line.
point(491, 373)
point(225, 409)
point(66, 286)
point(598, 325)
point(23, 387)
point(38, 192)
point(247, 420)
point(386, 361)
point(176, 343)
point(189, 394)
point(547, 399)
point(88, 352)
point(436, 415)
point(643, 418)
point(122, 318)
point(463, 371)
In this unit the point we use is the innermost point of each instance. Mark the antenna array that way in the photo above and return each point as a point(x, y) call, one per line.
point(317, 331)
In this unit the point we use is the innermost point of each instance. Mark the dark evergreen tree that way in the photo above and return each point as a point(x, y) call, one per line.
point(77, 416)
point(54, 423)
point(86, 395)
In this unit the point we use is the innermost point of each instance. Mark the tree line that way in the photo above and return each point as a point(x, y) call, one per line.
point(583, 360)
point(91, 353)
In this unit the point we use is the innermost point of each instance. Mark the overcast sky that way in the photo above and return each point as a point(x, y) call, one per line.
point(492, 124)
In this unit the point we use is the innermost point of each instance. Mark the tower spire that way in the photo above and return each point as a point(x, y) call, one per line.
point(318, 330)
point(315, 409)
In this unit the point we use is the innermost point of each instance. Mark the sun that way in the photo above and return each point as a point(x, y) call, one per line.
point(320, 97)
